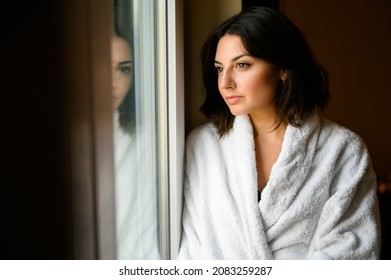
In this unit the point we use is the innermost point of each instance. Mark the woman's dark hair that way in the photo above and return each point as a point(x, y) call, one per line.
point(268, 35)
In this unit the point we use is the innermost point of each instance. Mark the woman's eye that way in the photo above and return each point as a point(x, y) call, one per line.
point(126, 69)
point(218, 69)
point(242, 65)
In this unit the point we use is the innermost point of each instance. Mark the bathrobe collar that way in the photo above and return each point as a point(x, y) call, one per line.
point(293, 163)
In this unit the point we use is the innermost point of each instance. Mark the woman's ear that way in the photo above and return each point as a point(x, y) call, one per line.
point(283, 74)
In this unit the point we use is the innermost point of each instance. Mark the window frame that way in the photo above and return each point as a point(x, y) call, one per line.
point(87, 127)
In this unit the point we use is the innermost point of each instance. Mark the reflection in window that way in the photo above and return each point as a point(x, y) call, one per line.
point(137, 132)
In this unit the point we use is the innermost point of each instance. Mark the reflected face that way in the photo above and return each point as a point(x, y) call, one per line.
point(247, 84)
point(122, 69)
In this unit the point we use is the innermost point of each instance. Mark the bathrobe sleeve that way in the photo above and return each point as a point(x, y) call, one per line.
point(348, 227)
point(221, 218)
point(190, 247)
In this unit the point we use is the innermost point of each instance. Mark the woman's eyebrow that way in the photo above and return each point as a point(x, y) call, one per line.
point(126, 62)
point(234, 59)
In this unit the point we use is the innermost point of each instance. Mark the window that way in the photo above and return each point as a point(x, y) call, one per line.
point(148, 138)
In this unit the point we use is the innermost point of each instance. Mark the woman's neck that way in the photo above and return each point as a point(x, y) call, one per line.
point(268, 141)
point(264, 125)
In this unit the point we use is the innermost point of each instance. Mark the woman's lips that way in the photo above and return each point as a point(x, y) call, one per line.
point(234, 99)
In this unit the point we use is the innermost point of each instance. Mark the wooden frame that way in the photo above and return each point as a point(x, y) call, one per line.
point(87, 145)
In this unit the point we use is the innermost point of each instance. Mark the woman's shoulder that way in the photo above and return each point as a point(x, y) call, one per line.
point(338, 138)
point(347, 153)
point(332, 130)
point(204, 132)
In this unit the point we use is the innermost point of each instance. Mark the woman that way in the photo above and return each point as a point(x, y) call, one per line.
point(267, 178)
point(135, 192)
point(123, 90)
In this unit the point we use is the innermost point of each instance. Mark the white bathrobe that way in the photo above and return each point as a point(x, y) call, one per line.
point(136, 214)
point(319, 203)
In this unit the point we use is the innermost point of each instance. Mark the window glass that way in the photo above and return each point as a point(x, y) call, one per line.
point(139, 105)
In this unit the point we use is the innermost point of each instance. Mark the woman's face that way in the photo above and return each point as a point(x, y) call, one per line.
point(122, 69)
point(247, 84)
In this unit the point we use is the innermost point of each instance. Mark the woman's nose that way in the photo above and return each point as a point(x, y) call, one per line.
point(226, 80)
